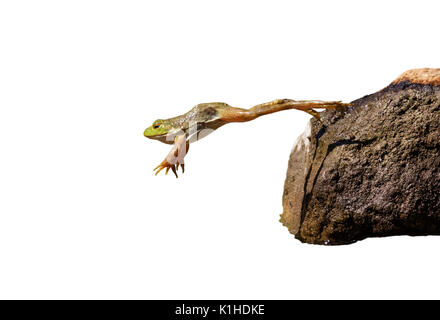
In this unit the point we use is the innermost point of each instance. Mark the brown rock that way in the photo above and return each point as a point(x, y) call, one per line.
point(372, 170)
point(420, 76)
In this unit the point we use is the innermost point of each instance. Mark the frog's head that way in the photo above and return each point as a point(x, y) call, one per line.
point(157, 129)
point(160, 130)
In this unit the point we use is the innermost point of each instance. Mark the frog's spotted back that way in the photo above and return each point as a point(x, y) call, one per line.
point(207, 111)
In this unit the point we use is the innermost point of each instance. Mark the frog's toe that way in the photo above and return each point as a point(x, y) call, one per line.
point(159, 168)
point(174, 171)
point(165, 165)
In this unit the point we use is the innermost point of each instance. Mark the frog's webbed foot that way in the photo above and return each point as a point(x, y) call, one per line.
point(314, 113)
point(166, 165)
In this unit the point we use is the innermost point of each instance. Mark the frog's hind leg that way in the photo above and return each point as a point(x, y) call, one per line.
point(308, 106)
point(231, 114)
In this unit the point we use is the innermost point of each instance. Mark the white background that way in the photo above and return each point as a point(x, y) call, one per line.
point(83, 216)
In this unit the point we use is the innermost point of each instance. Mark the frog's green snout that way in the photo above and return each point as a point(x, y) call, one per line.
point(147, 132)
point(156, 130)
point(151, 132)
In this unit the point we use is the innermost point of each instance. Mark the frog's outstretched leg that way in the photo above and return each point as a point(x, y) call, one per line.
point(175, 157)
point(303, 105)
point(241, 115)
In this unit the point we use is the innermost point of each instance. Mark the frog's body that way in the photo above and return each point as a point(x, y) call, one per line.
point(203, 116)
point(207, 117)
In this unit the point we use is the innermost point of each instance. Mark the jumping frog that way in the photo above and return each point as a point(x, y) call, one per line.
point(206, 117)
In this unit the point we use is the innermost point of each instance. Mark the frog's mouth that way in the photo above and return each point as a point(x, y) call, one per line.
point(166, 137)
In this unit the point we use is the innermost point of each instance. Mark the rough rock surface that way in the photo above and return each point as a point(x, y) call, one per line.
point(372, 170)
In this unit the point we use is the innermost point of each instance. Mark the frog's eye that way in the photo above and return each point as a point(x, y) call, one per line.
point(156, 125)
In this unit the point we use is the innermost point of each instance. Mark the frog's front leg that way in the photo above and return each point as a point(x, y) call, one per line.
point(175, 157)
